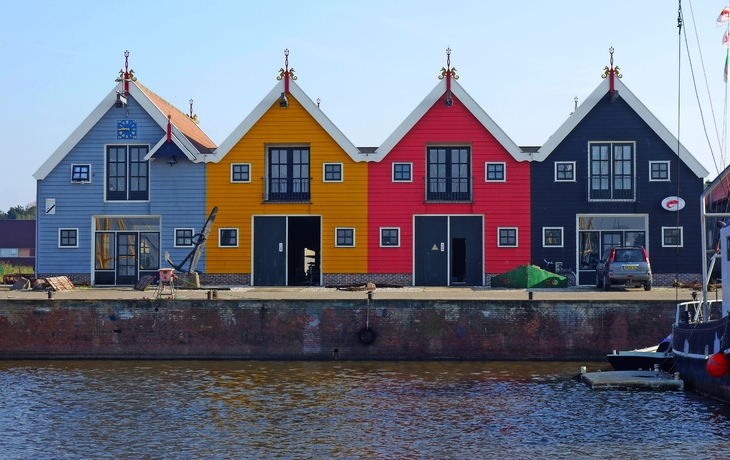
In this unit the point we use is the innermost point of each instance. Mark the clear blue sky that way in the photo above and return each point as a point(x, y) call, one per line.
point(371, 63)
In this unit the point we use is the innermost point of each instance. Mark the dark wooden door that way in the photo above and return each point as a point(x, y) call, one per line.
point(269, 251)
point(127, 249)
point(431, 251)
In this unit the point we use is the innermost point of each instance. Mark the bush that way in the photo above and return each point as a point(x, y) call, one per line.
point(9, 269)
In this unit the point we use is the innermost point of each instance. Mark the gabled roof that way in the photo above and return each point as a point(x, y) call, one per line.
point(624, 93)
point(468, 102)
point(266, 104)
point(191, 140)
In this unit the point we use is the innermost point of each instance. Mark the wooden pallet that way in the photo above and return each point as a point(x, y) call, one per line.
point(144, 282)
point(60, 283)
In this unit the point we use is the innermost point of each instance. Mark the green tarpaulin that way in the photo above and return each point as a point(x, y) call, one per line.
point(529, 276)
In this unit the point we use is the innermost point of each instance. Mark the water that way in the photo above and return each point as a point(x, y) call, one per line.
point(301, 410)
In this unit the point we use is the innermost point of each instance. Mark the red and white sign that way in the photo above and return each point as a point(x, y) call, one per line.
point(673, 203)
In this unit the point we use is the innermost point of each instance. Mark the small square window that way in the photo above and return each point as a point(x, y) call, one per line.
point(80, 173)
point(240, 172)
point(183, 237)
point(565, 171)
point(68, 238)
point(659, 170)
point(552, 237)
point(332, 172)
point(402, 172)
point(495, 172)
point(228, 237)
point(672, 237)
point(507, 237)
point(345, 237)
point(389, 237)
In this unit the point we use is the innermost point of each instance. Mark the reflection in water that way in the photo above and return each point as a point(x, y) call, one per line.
point(260, 409)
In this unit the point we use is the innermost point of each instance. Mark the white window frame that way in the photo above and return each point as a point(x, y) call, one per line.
point(681, 237)
point(174, 235)
point(562, 237)
point(241, 181)
point(397, 245)
point(564, 163)
point(517, 237)
point(504, 171)
point(324, 173)
point(612, 175)
point(60, 246)
point(220, 230)
point(669, 171)
point(80, 181)
point(392, 171)
point(345, 245)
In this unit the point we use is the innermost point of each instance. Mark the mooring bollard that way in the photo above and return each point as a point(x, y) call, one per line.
point(50, 294)
point(529, 295)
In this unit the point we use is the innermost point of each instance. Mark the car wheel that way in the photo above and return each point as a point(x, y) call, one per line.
point(606, 283)
point(647, 286)
point(599, 282)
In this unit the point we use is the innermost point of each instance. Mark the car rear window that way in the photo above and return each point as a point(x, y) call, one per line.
point(629, 255)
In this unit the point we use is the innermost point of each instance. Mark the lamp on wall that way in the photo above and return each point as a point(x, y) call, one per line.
point(448, 102)
point(283, 101)
point(172, 160)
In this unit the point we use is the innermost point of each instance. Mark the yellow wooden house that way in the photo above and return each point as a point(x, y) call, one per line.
point(291, 192)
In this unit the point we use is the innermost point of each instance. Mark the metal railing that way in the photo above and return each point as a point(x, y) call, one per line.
point(287, 189)
point(448, 188)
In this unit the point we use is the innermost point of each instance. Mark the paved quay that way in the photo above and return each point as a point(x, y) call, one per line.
point(583, 293)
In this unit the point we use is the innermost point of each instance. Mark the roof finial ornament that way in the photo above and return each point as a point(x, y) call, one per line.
point(612, 71)
point(126, 75)
point(286, 74)
point(318, 101)
point(448, 73)
point(169, 127)
point(193, 117)
point(575, 108)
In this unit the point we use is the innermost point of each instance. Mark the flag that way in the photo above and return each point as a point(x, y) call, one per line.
point(727, 67)
point(726, 39)
point(724, 17)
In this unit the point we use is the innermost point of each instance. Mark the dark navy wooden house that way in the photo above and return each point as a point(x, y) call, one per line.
point(126, 186)
point(603, 180)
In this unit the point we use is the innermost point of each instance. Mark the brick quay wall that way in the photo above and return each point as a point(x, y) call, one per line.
point(313, 329)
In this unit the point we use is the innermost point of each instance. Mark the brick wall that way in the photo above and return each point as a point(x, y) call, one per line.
point(275, 329)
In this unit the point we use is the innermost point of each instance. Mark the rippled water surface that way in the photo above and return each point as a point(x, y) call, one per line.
point(259, 409)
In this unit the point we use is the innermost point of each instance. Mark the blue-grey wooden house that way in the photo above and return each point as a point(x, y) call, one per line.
point(613, 175)
point(126, 186)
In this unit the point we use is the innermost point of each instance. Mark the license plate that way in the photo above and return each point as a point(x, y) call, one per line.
point(630, 267)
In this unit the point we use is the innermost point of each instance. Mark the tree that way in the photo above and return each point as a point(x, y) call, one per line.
point(27, 212)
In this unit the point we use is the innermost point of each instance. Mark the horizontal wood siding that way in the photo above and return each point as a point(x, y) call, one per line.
point(177, 193)
point(503, 204)
point(77, 203)
point(340, 204)
point(556, 204)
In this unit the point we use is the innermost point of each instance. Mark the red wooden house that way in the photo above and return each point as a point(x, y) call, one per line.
point(449, 196)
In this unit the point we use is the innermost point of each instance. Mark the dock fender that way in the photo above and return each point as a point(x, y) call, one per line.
point(367, 335)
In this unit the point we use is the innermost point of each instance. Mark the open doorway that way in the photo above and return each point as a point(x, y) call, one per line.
point(458, 260)
point(304, 258)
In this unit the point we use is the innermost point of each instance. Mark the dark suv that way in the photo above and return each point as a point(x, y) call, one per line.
point(624, 265)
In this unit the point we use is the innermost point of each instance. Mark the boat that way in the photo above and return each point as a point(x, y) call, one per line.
point(655, 357)
point(701, 330)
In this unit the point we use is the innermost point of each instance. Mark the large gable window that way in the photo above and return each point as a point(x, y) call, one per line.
point(612, 172)
point(127, 173)
point(288, 174)
point(449, 174)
